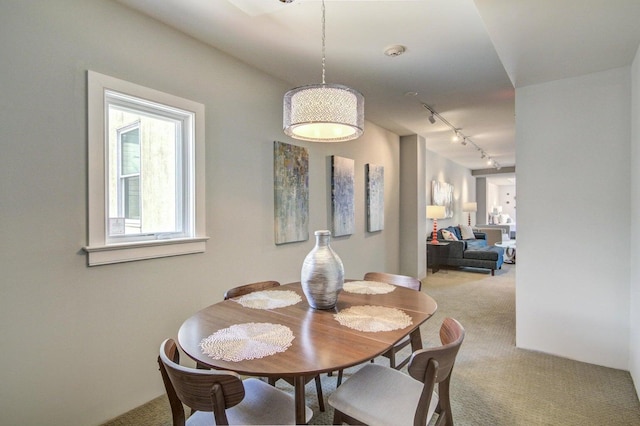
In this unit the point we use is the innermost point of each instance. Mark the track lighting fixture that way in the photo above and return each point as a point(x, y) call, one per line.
point(459, 136)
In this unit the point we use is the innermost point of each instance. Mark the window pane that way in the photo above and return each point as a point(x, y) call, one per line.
point(132, 197)
point(145, 170)
point(130, 146)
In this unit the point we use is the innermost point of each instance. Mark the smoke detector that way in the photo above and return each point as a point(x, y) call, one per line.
point(395, 50)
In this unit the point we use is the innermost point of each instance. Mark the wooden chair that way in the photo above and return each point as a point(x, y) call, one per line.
point(250, 288)
point(414, 338)
point(366, 397)
point(219, 397)
point(266, 285)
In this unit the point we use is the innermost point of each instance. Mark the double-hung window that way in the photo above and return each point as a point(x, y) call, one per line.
point(146, 173)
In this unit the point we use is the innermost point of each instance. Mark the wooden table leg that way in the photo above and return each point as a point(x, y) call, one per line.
point(298, 384)
point(416, 340)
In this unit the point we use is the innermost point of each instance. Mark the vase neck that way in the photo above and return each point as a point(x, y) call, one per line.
point(323, 238)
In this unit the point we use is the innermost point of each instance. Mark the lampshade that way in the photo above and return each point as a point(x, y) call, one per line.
point(470, 207)
point(435, 212)
point(323, 113)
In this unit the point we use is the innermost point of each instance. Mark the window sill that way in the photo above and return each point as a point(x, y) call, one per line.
point(129, 252)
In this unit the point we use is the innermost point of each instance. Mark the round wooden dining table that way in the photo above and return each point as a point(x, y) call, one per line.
point(320, 344)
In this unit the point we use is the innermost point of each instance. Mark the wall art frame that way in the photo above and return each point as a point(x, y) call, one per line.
point(291, 193)
point(374, 197)
point(442, 195)
point(342, 196)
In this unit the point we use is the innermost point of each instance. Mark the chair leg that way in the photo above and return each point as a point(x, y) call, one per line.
point(319, 392)
point(444, 404)
point(392, 359)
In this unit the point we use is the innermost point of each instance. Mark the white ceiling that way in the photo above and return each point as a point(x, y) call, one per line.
point(463, 57)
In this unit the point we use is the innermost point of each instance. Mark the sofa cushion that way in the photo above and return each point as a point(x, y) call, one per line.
point(448, 235)
point(476, 244)
point(467, 232)
point(486, 253)
point(456, 231)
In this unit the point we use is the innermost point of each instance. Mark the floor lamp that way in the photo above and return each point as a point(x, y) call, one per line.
point(435, 213)
point(470, 208)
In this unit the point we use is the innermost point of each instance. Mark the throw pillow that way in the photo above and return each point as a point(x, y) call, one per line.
point(456, 231)
point(467, 232)
point(448, 235)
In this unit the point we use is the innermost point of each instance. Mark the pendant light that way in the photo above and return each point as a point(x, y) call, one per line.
point(323, 112)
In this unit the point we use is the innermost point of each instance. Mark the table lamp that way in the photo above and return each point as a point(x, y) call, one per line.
point(469, 208)
point(435, 213)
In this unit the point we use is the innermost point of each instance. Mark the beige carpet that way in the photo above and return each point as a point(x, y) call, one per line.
point(493, 382)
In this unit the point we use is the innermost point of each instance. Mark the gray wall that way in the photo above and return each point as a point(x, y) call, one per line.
point(80, 344)
point(634, 339)
point(573, 183)
point(412, 199)
point(464, 187)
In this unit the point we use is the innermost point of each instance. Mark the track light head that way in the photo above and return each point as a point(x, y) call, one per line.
point(464, 141)
point(432, 119)
point(483, 155)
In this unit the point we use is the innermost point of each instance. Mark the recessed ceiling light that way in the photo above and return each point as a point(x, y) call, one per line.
point(395, 50)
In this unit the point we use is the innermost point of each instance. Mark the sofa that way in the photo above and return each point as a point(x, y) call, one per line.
point(460, 252)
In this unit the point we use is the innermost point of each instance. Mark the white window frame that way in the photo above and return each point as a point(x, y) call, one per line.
point(100, 250)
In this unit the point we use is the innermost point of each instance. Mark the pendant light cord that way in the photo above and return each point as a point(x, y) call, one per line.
point(323, 42)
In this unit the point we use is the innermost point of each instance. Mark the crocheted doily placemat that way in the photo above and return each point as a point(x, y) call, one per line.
point(368, 287)
point(373, 318)
point(247, 341)
point(269, 299)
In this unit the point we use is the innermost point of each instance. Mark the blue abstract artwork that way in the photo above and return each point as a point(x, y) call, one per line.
point(291, 192)
point(342, 195)
point(375, 197)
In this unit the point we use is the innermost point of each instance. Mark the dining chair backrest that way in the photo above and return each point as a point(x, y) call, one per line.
point(201, 390)
point(451, 336)
point(249, 288)
point(399, 280)
point(435, 365)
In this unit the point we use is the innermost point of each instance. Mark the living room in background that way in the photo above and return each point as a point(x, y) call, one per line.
point(146, 172)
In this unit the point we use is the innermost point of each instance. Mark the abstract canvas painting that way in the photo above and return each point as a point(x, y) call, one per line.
point(291, 192)
point(375, 197)
point(342, 195)
point(442, 195)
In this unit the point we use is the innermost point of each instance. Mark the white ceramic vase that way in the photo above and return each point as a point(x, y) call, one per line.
point(322, 273)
